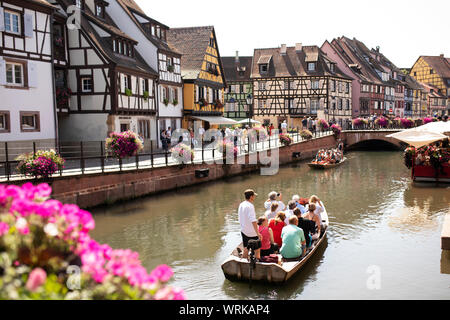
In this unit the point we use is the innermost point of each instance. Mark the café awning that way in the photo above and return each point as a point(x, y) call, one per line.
point(423, 135)
point(216, 120)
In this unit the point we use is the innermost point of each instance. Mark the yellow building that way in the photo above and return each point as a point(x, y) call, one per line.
point(202, 73)
point(434, 71)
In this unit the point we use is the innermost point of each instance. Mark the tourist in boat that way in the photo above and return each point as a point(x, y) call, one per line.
point(290, 212)
point(272, 213)
point(319, 206)
point(268, 245)
point(300, 206)
point(312, 216)
point(308, 227)
point(248, 222)
point(274, 197)
point(277, 225)
point(294, 243)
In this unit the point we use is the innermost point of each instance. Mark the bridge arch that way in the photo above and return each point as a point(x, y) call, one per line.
point(372, 139)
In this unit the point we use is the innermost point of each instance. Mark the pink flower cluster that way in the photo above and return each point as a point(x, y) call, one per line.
point(336, 129)
point(74, 224)
point(427, 120)
point(323, 124)
point(123, 145)
point(406, 123)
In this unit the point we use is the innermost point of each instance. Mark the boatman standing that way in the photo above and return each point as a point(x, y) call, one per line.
point(249, 223)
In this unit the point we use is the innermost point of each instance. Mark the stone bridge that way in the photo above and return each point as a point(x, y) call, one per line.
point(366, 138)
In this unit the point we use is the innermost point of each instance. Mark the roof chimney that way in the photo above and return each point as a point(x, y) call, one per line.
point(237, 57)
point(298, 47)
point(283, 49)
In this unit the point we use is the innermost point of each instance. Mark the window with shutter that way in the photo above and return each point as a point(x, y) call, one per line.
point(2, 20)
point(12, 22)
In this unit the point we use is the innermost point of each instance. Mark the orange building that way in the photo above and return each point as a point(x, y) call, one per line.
point(435, 72)
point(202, 73)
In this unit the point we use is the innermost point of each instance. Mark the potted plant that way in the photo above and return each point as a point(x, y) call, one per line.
point(166, 102)
point(202, 102)
point(40, 164)
point(306, 134)
point(336, 130)
point(146, 95)
point(128, 92)
point(382, 122)
point(323, 124)
point(175, 102)
point(123, 145)
point(285, 139)
point(170, 68)
point(62, 97)
point(218, 104)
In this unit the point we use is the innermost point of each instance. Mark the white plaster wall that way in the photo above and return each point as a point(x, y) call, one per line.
point(39, 99)
point(83, 127)
point(170, 110)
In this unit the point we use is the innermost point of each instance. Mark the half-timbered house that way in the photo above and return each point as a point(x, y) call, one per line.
point(153, 47)
point(112, 87)
point(27, 108)
point(239, 92)
point(202, 73)
point(434, 71)
point(373, 88)
point(290, 83)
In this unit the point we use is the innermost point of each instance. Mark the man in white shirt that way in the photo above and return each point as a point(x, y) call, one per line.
point(284, 127)
point(248, 222)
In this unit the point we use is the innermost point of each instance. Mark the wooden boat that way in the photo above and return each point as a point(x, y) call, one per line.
point(326, 166)
point(240, 269)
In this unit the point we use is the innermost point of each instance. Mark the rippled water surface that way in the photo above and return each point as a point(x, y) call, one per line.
point(380, 225)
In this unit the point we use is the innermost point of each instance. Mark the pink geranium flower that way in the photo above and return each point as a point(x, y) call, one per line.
point(36, 279)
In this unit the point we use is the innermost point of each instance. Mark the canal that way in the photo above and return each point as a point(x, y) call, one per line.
point(383, 241)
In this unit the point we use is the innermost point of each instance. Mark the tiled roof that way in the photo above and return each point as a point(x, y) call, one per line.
point(293, 63)
point(105, 45)
point(131, 6)
point(192, 44)
point(439, 64)
point(232, 68)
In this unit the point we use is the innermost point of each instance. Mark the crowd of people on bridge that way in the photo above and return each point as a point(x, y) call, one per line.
point(290, 230)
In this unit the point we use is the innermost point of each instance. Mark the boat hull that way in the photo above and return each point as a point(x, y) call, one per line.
point(326, 166)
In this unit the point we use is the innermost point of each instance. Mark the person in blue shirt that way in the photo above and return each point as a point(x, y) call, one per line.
point(296, 198)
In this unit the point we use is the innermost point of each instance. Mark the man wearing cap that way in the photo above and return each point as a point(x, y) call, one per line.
point(249, 223)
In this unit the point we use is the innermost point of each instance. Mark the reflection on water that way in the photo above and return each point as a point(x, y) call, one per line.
point(377, 217)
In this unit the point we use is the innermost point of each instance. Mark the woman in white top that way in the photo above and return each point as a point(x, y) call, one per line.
point(273, 199)
point(272, 213)
point(319, 206)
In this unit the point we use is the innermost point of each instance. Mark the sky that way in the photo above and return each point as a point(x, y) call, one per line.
point(403, 29)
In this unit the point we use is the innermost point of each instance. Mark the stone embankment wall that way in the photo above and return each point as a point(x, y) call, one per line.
point(96, 189)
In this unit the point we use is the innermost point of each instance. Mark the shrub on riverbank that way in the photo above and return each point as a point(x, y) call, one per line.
point(41, 164)
point(46, 252)
point(123, 145)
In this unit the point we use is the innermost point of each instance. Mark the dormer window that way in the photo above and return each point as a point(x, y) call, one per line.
point(100, 6)
point(211, 42)
point(79, 4)
point(263, 68)
point(311, 66)
point(158, 31)
point(332, 67)
point(153, 30)
point(123, 47)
